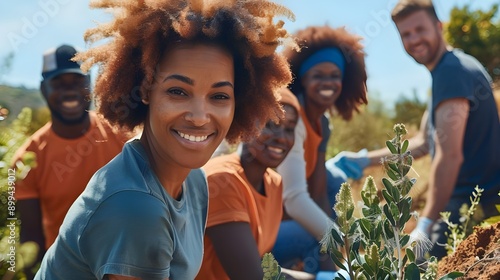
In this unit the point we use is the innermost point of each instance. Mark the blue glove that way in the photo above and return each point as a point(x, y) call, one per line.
point(351, 163)
point(328, 275)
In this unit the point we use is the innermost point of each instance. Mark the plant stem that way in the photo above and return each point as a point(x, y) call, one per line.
point(485, 259)
point(398, 252)
point(348, 249)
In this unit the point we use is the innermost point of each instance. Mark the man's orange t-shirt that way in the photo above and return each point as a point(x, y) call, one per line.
point(233, 199)
point(64, 167)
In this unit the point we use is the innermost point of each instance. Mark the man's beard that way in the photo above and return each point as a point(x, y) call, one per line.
point(59, 117)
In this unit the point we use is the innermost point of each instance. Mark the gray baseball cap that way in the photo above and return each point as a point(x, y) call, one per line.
point(58, 61)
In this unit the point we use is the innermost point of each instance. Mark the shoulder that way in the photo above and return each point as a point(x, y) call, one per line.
point(35, 143)
point(459, 75)
point(458, 64)
point(41, 137)
point(225, 177)
point(129, 170)
point(115, 231)
point(222, 164)
point(108, 130)
point(132, 204)
point(114, 212)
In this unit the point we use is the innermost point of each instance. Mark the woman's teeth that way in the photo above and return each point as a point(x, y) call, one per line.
point(70, 104)
point(276, 150)
point(193, 138)
point(326, 93)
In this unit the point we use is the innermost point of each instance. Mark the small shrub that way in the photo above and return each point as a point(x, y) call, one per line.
point(458, 232)
point(11, 138)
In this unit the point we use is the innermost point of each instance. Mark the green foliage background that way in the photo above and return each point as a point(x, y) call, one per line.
point(11, 138)
point(17, 98)
point(478, 34)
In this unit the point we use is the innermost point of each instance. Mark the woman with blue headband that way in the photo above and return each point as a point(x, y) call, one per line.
point(329, 76)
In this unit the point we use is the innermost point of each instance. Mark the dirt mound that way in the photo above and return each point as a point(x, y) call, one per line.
point(478, 256)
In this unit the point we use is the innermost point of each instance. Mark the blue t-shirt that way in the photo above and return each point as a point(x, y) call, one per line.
point(125, 223)
point(459, 75)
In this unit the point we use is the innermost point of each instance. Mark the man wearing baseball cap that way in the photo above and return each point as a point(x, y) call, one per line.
point(68, 150)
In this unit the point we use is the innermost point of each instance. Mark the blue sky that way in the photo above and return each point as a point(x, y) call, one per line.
point(29, 27)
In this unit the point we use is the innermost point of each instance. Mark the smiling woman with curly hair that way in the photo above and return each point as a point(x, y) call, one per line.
point(329, 76)
point(189, 73)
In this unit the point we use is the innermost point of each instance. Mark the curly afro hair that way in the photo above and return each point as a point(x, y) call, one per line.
point(143, 29)
point(315, 38)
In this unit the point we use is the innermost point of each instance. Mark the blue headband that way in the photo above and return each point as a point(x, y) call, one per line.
point(333, 55)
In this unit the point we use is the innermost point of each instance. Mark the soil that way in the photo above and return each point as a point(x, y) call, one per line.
point(478, 256)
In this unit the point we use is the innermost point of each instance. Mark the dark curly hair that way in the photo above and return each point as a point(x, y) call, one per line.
point(315, 38)
point(142, 30)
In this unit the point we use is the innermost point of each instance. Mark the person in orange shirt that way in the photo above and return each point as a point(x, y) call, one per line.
point(68, 150)
point(245, 200)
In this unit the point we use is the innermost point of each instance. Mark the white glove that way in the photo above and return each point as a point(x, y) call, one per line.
point(420, 235)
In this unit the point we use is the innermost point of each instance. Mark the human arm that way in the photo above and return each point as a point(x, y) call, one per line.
point(31, 223)
point(31, 219)
point(236, 249)
point(28, 203)
point(450, 122)
point(297, 275)
point(418, 146)
point(31, 228)
point(296, 199)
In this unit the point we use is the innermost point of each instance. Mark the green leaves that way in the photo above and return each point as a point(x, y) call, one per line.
point(337, 258)
point(11, 138)
point(394, 194)
point(412, 272)
point(406, 143)
point(391, 147)
point(272, 270)
point(410, 254)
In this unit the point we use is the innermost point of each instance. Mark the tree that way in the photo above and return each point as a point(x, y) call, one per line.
point(477, 34)
point(6, 64)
